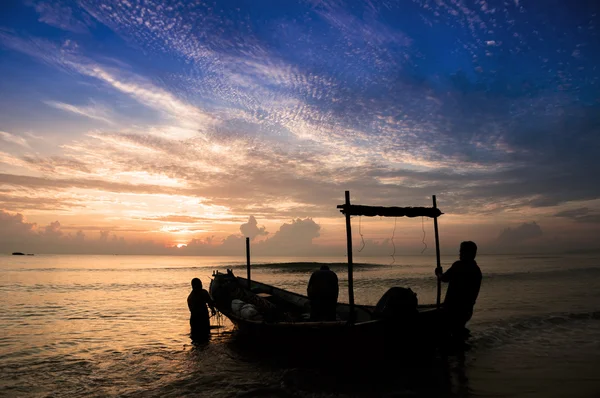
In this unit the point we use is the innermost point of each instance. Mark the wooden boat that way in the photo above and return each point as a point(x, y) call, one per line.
point(284, 321)
point(281, 318)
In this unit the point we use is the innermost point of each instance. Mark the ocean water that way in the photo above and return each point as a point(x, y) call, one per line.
point(101, 326)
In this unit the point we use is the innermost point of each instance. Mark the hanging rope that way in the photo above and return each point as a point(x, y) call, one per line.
point(423, 226)
point(393, 244)
point(362, 238)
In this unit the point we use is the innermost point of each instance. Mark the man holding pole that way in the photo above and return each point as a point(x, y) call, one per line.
point(464, 282)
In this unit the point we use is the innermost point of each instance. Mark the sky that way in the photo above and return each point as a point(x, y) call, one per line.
point(181, 127)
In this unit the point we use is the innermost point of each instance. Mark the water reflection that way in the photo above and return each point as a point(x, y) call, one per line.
point(281, 373)
point(457, 382)
point(199, 335)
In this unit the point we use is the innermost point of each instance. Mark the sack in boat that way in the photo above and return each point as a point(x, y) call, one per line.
point(249, 311)
point(236, 306)
point(397, 303)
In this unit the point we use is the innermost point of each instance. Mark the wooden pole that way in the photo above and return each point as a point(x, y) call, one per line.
point(349, 243)
point(248, 260)
point(437, 254)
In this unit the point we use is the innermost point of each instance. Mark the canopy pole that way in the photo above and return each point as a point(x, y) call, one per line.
point(349, 243)
point(437, 254)
point(248, 260)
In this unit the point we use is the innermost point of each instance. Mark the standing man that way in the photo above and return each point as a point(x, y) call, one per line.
point(197, 302)
point(464, 281)
point(323, 290)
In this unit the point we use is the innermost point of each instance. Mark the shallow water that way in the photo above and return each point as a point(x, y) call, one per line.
point(118, 326)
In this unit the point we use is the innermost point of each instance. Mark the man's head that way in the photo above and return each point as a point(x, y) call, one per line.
point(324, 268)
point(468, 250)
point(196, 284)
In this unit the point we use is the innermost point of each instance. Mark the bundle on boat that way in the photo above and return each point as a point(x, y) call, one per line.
point(233, 297)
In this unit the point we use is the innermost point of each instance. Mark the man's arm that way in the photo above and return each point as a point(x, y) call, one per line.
point(189, 302)
point(445, 276)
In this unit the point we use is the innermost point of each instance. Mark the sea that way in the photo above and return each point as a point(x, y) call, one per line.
point(104, 326)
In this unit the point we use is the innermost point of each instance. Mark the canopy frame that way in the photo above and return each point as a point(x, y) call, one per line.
point(349, 210)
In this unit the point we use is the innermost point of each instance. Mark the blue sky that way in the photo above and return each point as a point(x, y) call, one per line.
point(176, 121)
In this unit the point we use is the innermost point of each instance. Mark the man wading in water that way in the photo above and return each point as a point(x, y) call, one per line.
point(197, 302)
point(464, 281)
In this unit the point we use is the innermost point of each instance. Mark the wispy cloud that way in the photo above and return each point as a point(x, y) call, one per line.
point(150, 95)
point(581, 215)
point(62, 16)
point(191, 119)
point(90, 111)
point(14, 139)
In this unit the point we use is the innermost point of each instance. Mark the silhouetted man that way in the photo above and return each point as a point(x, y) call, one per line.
point(197, 302)
point(464, 281)
point(323, 293)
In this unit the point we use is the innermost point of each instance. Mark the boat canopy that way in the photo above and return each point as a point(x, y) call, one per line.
point(374, 211)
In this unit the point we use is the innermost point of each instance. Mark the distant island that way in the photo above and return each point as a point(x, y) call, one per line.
point(21, 254)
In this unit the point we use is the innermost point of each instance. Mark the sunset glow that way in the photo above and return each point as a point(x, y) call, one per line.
point(178, 127)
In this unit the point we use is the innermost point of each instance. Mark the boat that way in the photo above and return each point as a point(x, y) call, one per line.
point(18, 254)
point(270, 317)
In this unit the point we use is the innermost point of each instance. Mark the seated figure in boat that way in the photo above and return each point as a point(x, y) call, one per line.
point(323, 290)
point(197, 302)
point(464, 281)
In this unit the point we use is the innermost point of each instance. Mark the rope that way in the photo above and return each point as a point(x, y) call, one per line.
point(423, 226)
point(361, 235)
point(393, 244)
point(218, 321)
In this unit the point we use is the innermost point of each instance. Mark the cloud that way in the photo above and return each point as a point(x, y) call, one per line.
point(52, 230)
point(91, 111)
point(20, 201)
point(252, 230)
point(191, 119)
point(295, 238)
point(14, 226)
point(324, 135)
point(580, 215)
point(18, 235)
point(292, 239)
point(14, 139)
point(520, 235)
point(61, 16)
point(56, 164)
point(373, 42)
point(150, 95)
point(87, 183)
